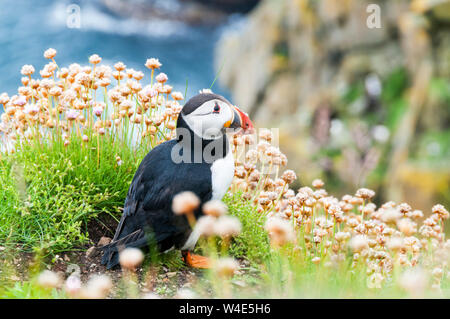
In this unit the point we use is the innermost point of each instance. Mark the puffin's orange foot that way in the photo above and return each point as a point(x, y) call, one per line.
point(196, 261)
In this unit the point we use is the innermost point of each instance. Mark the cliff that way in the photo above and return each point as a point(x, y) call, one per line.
point(350, 101)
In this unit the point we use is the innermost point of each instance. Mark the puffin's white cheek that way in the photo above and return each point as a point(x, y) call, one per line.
point(227, 115)
point(212, 125)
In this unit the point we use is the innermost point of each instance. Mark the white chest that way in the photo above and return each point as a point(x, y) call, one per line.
point(222, 173)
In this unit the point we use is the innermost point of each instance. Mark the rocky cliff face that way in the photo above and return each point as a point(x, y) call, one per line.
point(316, 70)
point(305, 49)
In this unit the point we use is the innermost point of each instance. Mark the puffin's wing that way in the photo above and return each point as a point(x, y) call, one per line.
point(149, 201)
point(157, 180)
point(146, 180)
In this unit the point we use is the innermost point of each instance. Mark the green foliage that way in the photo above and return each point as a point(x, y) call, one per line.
point(253, 243)
point(434, 145)
point(440, 89)
point(29, 290)
point(50, 193)
point(353, 93)
point(395, 85)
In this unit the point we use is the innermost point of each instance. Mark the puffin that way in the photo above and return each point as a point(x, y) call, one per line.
point(199, 159)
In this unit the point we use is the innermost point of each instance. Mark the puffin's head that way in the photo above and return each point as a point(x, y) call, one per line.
point(208, 115)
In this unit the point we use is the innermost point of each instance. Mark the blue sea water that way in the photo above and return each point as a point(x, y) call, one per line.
point(29, 27)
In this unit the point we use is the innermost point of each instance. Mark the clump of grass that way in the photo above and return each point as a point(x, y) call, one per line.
point(63, 192)
point(253, 242)
point(29, 290)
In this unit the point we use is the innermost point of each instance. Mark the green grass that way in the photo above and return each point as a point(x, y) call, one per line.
point(253, 243)
point(283, 272)
point(50, 193)
point(29, 290)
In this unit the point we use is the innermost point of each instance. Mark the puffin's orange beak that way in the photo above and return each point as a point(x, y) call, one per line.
point(241, 120)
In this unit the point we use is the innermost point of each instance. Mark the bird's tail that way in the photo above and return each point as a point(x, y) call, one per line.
point(111, 251)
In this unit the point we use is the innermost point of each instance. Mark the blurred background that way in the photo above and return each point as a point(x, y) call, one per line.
point(360, 93)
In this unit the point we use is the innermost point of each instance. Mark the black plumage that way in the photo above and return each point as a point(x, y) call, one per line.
point(147, 214)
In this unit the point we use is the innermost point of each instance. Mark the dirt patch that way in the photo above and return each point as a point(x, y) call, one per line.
point(159, 278)
point(153, 278)
point(102, 226)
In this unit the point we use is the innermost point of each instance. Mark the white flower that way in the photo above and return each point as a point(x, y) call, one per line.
point(95, 59)
point(49, 53)
point(73, 285)
point(414, 281)
point(395, 243)
point(359, 243)
point(97, 287)
point(31, 109)
point(161, 78)
point(205, 91)
point(280, 231)
point(98, 110)
point(20, 101)
point(215, 208)
point(184, 203)
point(177, 96)
point(390, 215)
point(373, 85)
point(226, 226)
point(226, 267)
point(205, 225)
point(27, 69)
point(131, 258)
point(153, 63)
point(48, 279)
point(149, 91)
point(365, 193)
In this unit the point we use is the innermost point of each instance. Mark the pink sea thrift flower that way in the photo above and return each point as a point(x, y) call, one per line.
point(72, 114)
point(149, 91)
point(73, 285)
point(162, 78)
point(98, 110)
point(20, 101)
point(31, 109)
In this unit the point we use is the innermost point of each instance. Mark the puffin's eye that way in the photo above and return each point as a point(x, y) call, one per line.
point(216, 108)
